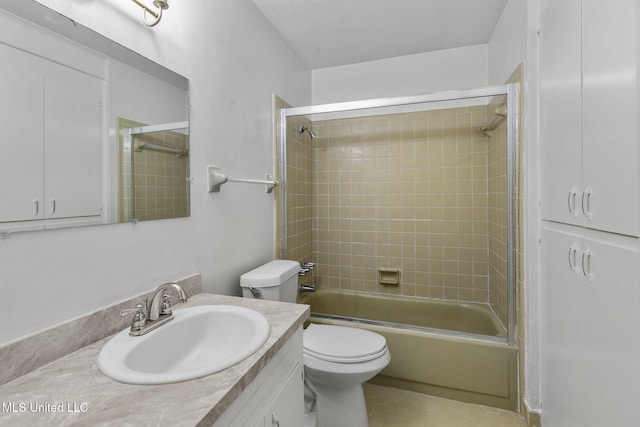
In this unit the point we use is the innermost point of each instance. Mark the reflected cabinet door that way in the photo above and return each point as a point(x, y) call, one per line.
point(21, 168)
point(72, 144)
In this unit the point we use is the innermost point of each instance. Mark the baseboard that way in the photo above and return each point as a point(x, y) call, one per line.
point(531, 416)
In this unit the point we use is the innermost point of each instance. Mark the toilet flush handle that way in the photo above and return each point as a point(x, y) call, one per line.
point(256, 292)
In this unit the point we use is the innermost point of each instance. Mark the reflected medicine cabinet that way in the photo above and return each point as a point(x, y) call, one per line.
point(51, 118)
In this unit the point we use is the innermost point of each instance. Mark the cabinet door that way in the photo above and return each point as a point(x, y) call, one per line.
point(612, 342)
point(560, 112)
point(72, 143)
point(562, 330)
point(610, 140)
point(288, 408)
point(590, 317)
point(21, 141)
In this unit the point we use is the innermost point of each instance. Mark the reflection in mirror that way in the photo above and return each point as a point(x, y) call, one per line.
point(153, 171)
point(93, 133)
point(147, 183)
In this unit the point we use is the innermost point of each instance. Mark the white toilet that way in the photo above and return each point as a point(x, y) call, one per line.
point(337, 359)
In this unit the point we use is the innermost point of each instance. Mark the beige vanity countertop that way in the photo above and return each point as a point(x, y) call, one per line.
point(72, 392)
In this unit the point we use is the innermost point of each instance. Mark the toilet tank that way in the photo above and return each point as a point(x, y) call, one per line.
point(276, 280)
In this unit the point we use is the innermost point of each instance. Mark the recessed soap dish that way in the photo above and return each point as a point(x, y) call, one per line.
point(388, 276)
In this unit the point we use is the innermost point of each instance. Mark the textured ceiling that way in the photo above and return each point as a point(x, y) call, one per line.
point(327, 33)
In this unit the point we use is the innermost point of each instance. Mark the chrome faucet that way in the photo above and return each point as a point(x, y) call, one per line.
point(152, 314)
point(160, 305)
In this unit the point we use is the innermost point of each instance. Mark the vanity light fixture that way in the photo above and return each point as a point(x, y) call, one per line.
point(156, 13)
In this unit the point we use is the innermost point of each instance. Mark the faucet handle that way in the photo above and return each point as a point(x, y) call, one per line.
point(139, 317)
point(139, 308)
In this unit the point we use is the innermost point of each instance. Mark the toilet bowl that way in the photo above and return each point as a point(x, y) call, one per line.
point(337, 359)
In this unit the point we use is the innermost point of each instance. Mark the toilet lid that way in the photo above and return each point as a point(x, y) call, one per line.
point(342, 344)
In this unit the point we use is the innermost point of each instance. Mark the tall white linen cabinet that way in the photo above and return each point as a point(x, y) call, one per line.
point(590, 192)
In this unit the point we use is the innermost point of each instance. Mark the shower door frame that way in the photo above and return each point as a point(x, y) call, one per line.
point(511, 91)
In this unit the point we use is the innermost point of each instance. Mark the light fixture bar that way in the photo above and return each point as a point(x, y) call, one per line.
point(156, 13)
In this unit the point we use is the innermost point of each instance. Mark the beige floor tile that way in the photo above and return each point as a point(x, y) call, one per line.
point(392, 407)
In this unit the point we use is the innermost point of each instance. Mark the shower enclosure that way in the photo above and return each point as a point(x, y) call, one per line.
point(410, 197)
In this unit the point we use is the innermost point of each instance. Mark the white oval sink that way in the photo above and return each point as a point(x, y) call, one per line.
point(199, 341)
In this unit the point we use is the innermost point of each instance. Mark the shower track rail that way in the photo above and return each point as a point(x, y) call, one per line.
point(139, 146)
point(161, 148)
point(425, 329)
point(511, 91)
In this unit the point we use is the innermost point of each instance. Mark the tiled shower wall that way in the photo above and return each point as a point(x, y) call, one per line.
point(405, 191)
point(159, 179)
point(497, 190)
point(412, 191)
point(299, 192)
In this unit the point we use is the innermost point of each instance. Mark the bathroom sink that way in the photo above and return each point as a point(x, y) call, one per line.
point(199, 341)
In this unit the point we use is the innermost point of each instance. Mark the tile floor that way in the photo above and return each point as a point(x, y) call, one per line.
point(392, 407)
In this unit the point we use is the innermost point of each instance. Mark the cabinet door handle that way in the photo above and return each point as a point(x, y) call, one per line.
point(36, 207)
point(571, 201)
point(586, 203)
point(53, 206)
point(586, 264)
point(573, 250)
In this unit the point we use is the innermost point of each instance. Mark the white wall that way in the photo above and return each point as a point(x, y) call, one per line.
point(515, 41)
point(235, 60)
point(424, 73)
point(508, 42)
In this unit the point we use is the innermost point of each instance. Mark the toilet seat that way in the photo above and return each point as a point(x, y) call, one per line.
point(341, 344)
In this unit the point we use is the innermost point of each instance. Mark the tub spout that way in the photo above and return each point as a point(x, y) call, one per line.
point(305, 288)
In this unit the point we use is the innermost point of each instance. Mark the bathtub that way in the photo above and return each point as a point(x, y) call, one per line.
point(443, 348)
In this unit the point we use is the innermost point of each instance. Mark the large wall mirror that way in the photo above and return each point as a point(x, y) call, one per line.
point(93, 133)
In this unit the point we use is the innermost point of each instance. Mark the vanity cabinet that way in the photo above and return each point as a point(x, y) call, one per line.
point(284, 410)
point(588, 114)
point(275, 398)
point(51, 116)
point(590, 318)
